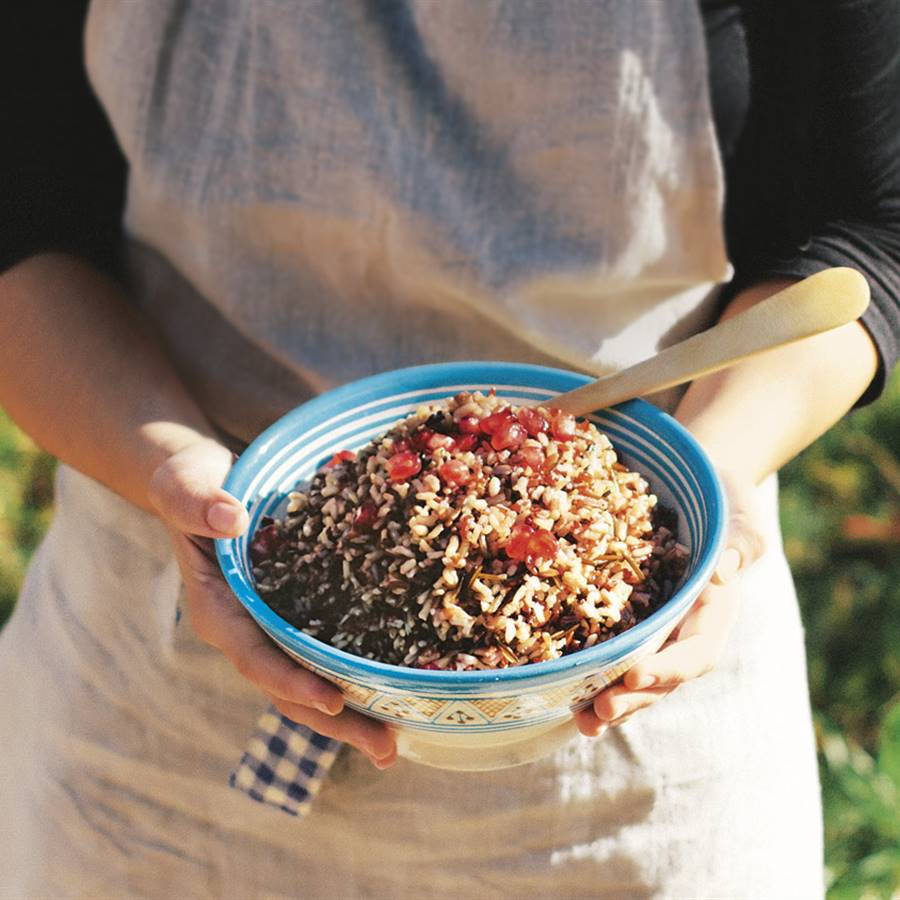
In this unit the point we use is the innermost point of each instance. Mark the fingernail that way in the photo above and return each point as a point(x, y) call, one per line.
point(329, 710)
point(226, 518)
point(382, 764)
point(644, 681)
point(375, 754)
point(728, 566)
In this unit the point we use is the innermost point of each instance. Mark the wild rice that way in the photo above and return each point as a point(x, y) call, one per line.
point(471, 535)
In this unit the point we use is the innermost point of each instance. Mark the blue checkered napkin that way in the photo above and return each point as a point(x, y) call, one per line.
point(284, 764)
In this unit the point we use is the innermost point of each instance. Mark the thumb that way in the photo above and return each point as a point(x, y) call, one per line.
point(187, 491)
point(743, 547)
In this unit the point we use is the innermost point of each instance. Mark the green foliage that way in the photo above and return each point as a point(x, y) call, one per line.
point(841, 520)
point(840, 506)
point(26, 492)
point(862, 801)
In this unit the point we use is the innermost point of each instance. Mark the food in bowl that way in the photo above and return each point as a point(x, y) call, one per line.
point(474, 534)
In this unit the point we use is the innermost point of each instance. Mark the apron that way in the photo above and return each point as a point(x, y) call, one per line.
point(317, 192)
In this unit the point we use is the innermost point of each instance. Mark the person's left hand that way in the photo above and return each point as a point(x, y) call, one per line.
point(696, 644)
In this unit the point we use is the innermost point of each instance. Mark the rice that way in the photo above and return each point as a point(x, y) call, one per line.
point(472, 535)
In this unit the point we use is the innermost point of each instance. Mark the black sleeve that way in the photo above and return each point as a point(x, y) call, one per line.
point(815, 178)
point(62, 175)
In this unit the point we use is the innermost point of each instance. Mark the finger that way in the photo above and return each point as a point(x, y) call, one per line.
point(368, 735)
point(588, 723)
point(219, 619)
point(614, 703)
point(698, 647)
point(187, 492)
point(251, 652)
point(685, 659)
point(205, 546)
point(745, 543)
point(386, 762)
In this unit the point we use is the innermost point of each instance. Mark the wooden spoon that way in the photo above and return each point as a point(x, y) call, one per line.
point(823, 301)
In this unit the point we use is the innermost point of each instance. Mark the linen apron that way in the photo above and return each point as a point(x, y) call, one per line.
point(323, 190)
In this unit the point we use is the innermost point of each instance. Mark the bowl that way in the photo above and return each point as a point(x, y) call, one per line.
point(474, 720)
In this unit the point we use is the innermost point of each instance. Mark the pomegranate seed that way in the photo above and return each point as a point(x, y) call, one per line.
point(542, 545)
point(469, 425)
point(532, 456)
point(339, 457)
point(466, 442)
point(265, 544)
point(401, 446)
point(403, 466)
point(563, 425)
point(454, 472)
point(509, 436)
point(490, 424)
point(419, 439)
point(533, 421)
point(364, 517)
point(519, 540)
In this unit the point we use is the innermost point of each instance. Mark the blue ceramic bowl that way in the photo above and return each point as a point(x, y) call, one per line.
point(482, 719)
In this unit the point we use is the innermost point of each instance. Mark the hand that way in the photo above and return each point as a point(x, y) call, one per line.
point(696, 644)
point(186, 490)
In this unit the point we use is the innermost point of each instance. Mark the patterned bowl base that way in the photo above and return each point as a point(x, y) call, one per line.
point(480, 715)
point(465, 752)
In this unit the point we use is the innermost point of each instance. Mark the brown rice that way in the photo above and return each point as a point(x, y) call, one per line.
point(506, 556)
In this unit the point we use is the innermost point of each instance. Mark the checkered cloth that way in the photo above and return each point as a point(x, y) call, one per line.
point(284, 764)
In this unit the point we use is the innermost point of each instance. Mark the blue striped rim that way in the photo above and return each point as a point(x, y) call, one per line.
point(349, 416)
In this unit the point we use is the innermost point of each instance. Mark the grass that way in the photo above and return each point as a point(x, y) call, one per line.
point(26, 496)
point(841, 521)
point(840, 508)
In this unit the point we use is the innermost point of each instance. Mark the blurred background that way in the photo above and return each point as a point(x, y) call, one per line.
point(841, 520)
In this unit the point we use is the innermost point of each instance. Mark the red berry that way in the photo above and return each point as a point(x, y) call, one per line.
point(403, 466)
point(454, 472)
point(339, 457)
point(419, 439)
point(509, 436)
point(469, 425)
point(519, 539)
point(562, 425)
point(542, 545)
point(532, 456)
point(265, 544)
point(490, 424)
point(364, 517)
point(533, 421)
point(466, 442)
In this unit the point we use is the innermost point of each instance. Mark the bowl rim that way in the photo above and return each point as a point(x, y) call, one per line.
point(453, 373)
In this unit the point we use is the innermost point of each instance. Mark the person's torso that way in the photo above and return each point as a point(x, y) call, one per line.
point(319, 191)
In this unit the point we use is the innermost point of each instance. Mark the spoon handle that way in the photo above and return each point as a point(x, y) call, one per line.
point(823, 301)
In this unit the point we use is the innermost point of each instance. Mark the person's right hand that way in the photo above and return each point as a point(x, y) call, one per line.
point(187, 492)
